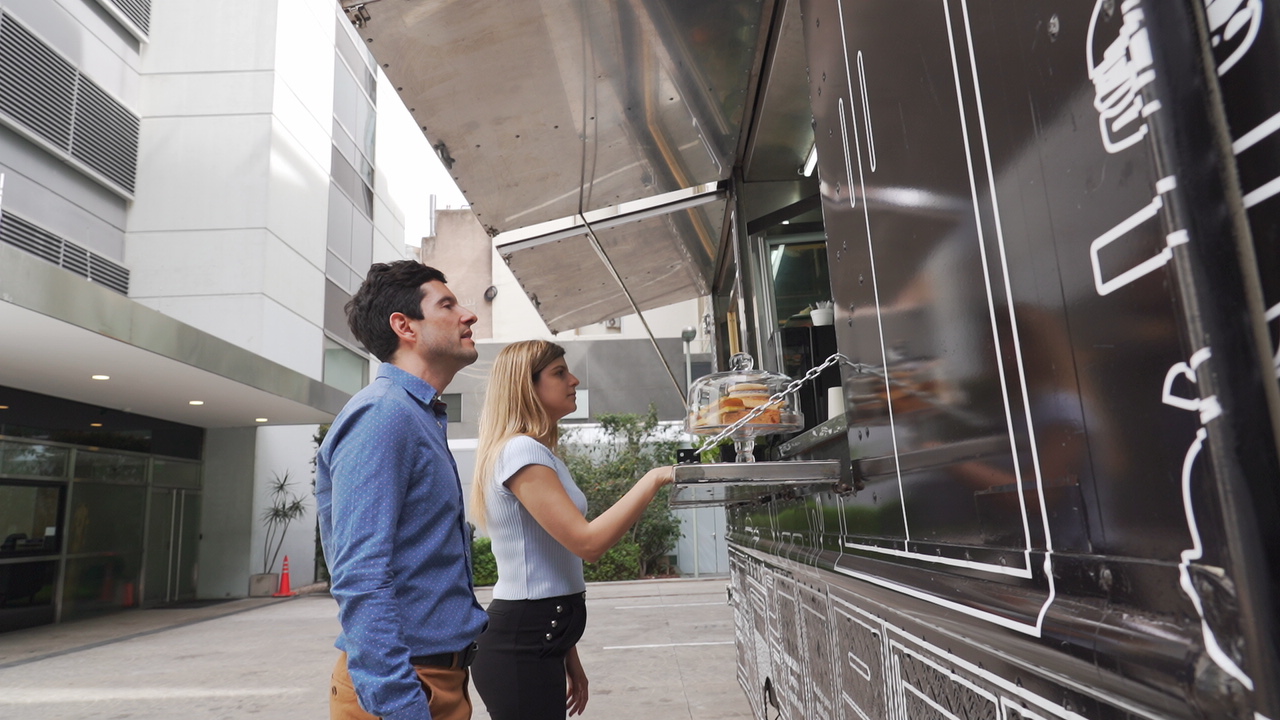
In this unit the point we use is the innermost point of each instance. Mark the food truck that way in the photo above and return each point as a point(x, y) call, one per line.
point(1008, 274)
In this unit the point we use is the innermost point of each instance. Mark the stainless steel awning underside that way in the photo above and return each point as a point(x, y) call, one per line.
point(571, 112)
point(610, 262)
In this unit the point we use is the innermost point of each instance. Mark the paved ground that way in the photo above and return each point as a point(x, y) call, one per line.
point(652, 649)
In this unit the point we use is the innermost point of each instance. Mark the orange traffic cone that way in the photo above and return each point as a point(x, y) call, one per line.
point(285, 590)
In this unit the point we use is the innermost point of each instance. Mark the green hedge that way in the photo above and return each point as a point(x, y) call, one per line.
point(484, 569)
point(621, 562)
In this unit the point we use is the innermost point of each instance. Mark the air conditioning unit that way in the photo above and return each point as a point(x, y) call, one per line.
point(613, 324)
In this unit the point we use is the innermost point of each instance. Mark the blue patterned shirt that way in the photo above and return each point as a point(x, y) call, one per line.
point(396, 540)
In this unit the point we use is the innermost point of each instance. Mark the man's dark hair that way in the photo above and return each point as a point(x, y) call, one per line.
point(387, 288)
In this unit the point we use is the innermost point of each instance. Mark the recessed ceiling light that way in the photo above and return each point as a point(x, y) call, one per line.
point(4, 407)
point(195, 402)
point(95, 424)
point(101, 377)
point(259, 419)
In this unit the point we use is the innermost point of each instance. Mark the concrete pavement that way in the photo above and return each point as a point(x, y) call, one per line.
point(659, 648)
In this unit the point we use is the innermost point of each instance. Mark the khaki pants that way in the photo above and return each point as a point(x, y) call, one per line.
point(446, 690)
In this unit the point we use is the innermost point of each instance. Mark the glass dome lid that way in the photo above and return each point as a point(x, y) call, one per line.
point(721, 399)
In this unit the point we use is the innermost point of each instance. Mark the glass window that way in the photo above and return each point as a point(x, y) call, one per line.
point(344, 369)
point(335, 318)
point(338, 272)
point(106, 518)
point(357, 57)
point(29, 519)
point(800, 279)
point(345, 176)
point(105, 582)
point(453, 406)
point(361, 250)
point(352, 109)
point(340, 211)
point(33, 460)
point(171, 473)
point(26, 594)
point(111, 467)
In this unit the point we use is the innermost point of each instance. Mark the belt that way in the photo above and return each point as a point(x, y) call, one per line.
point(460, 659)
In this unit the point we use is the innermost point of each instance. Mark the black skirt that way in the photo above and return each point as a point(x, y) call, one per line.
point(519, 668)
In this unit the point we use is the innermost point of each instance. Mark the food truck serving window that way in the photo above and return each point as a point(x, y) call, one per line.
point(798, 269)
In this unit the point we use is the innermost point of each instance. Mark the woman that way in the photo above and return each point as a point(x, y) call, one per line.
point(527, 666)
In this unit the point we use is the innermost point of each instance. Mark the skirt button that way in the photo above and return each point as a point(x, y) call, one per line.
point(548, 636)
point(559, 609)
point(554, 623)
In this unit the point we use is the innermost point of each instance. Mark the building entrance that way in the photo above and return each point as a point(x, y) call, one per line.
point(172, 546)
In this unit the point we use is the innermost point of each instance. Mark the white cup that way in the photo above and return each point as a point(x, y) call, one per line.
point(822, 316)
point(835, 402)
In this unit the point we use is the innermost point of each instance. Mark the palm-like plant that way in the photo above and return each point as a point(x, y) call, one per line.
point(285, 507)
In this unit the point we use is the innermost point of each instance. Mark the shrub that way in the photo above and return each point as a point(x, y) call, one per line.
point(484, 568)
point(621, 562)
point(605, 470)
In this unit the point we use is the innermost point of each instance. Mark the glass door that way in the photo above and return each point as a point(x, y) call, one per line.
point(160, 547)
point(172, 546)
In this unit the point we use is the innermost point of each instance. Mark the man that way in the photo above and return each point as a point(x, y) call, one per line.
point(390, 505)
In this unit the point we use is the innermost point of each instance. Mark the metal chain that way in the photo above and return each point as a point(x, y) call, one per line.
point(778, 396)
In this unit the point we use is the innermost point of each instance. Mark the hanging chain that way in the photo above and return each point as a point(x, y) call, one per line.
point(778, 396)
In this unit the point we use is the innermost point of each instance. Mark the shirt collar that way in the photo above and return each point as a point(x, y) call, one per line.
point(412, 384)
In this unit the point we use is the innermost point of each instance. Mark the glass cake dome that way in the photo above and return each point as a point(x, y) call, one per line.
point(721, 399)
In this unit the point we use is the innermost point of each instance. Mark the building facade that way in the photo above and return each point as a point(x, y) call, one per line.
point(191, 192)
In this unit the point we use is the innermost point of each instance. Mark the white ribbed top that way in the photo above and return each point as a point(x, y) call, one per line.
point(531, 564)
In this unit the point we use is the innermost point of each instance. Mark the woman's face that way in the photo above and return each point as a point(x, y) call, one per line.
point(555, 387)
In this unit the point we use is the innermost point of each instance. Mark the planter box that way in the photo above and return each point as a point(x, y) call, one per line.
point(263, 584)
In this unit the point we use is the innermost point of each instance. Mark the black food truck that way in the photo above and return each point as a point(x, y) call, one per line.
point(1039, 246)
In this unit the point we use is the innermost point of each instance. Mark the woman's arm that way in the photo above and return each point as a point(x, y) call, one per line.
point(538, 488)
point(576, 681)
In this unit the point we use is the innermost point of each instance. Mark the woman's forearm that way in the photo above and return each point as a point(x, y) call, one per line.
point(608, 528)
point(539, 490)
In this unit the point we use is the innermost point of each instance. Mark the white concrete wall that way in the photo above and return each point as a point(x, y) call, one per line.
point(226, 513)
point(281, 449)
point(227, 229)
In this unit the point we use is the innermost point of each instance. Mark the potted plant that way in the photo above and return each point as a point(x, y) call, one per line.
point(285, 507)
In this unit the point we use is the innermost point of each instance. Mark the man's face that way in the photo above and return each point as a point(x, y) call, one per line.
point(445, 328)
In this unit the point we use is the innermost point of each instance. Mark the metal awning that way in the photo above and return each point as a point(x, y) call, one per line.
point(615, 261)
point(547, 111)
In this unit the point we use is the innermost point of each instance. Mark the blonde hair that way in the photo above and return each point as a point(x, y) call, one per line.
point(511, 407)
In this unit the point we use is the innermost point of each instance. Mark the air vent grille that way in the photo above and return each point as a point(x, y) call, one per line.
point(28, 236)
point(139, 11)
point(106, 134)
point(37, 86)
point(46, 95)
point(75, 259)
